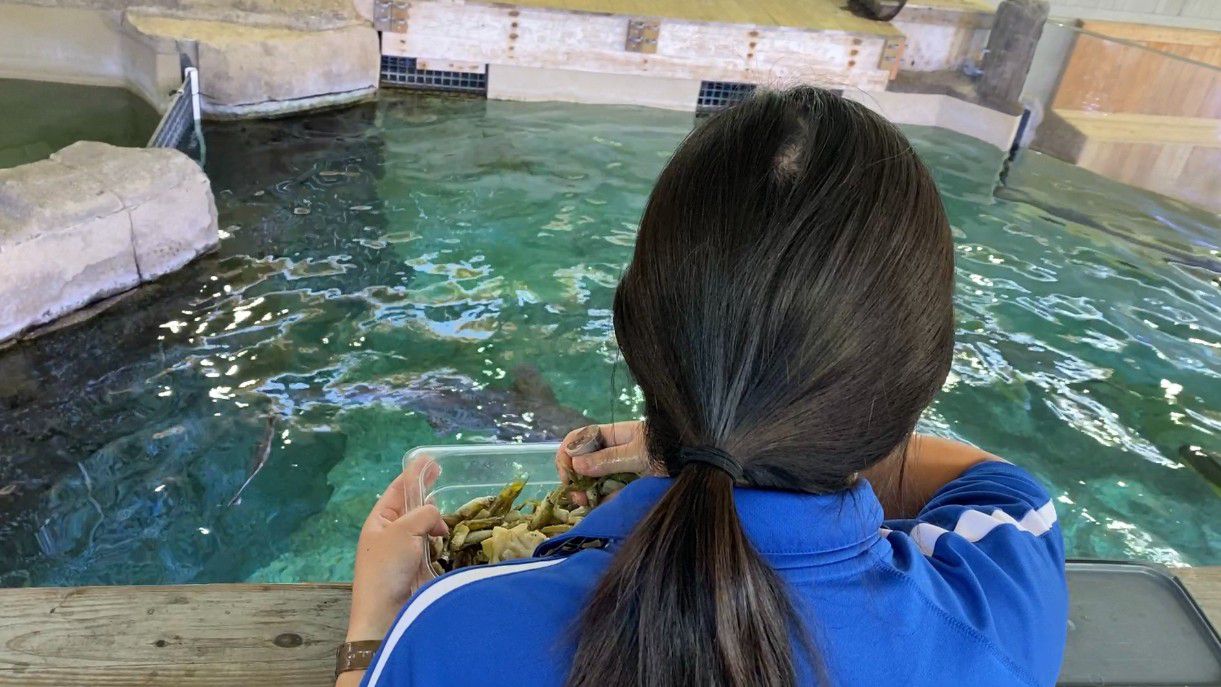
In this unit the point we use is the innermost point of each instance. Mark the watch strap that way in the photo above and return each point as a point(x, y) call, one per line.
point(355, 655)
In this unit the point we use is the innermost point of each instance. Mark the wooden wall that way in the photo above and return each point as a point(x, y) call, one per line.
point(1142, 105)
point(544, 38)
point(1115, 76)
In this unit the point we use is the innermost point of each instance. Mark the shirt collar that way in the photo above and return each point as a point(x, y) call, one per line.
point(778, 523)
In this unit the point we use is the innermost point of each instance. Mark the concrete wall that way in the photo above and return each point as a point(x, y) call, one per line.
point(536, 84)
point(940, 39)
point(250, 64)
point(94, 220)
point(69, 45)
point(87, 46)
point(947, 112)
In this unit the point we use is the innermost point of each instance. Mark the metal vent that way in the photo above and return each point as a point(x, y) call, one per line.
point(718, 95)
point(402, 72)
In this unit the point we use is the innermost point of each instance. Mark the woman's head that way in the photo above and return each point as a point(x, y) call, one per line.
point(789, 304)
point(789, 297)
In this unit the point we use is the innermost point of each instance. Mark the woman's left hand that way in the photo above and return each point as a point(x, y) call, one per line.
point(390, 555)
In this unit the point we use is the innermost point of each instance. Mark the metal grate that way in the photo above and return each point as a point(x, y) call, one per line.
point(718, 95)
point(402, 72)
point(179, 127)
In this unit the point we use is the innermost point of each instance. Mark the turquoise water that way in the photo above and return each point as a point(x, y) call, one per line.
point(437, 270)
point(39, 118)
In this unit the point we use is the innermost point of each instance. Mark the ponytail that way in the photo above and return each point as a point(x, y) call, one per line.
point(789, 302)
point(687, 601)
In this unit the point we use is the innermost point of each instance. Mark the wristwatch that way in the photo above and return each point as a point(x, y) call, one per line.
point(355, 655)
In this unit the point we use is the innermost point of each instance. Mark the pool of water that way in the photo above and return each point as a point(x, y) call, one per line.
point(39, 118)
point(438, 270)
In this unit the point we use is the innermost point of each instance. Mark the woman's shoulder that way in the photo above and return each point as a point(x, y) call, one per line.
point(469, 621)
point(993, 497)
point(987, 551)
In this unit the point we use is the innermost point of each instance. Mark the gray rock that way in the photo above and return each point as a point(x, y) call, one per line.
point(94, 220)
point(260, 70)
point(45, 196)
point(56, 272)
point(174, 228)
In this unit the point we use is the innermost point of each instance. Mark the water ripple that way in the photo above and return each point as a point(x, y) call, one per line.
point(425, 270)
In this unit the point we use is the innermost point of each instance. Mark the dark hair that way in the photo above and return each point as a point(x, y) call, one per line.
point(789, 303)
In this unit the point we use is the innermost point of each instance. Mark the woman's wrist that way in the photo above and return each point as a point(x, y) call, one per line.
point(360, 633)
point(370, 621)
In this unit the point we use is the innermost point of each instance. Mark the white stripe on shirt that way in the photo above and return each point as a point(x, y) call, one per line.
point(439, 589)
point(974, 525)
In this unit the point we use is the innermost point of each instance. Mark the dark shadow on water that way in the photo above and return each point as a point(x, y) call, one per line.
point(93, 463)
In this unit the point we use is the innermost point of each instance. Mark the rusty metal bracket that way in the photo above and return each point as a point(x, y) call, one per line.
point(389, 15)
point(642, 35)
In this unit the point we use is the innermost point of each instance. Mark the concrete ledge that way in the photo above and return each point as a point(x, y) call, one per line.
point(85, 46)
point(248, 71)
point(271, 58)
point(94, 220)
point(534, 84)
point(278, 108)
point(947, 112)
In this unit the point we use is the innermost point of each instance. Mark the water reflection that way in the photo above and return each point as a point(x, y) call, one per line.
point(429, 270)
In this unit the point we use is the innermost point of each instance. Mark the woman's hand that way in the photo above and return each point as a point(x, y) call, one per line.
point(622, 450)
point(390, 560)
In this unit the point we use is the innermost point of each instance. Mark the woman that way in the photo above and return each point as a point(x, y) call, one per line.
point(787, 314)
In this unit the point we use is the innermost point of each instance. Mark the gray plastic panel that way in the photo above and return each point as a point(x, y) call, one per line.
point(1131, 625)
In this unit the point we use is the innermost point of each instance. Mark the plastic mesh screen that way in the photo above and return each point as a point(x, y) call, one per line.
point(717, 95)
point(177, 128)
point(403, 73)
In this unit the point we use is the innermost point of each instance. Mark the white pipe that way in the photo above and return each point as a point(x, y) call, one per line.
point(192, 75)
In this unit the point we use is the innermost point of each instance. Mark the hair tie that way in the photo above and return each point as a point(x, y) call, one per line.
point(710, 455)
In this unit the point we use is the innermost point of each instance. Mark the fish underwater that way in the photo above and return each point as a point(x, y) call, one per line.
point(1205, 462)
point(526, 410)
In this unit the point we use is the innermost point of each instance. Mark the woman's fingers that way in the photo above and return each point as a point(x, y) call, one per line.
point(421, 521)
point(394, 501)
point(620, 443)
point(619, 433)
point(423, 467)
point(563, 460)
point(608, 461)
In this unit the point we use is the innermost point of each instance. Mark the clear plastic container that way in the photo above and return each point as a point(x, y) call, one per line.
point(469, 472)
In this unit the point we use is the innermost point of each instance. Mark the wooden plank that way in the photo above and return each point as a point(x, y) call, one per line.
point(1145, 33)
point(1107, 76)
point(951, 5)
point(440, 65)
point(1183, 171)
point(1204, 583)
point(1142, 128)
point(191, 635)
point(807, 14)
point(555, 39)
point(218, 634)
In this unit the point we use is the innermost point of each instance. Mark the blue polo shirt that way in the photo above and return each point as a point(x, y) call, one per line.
point(970, 592)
